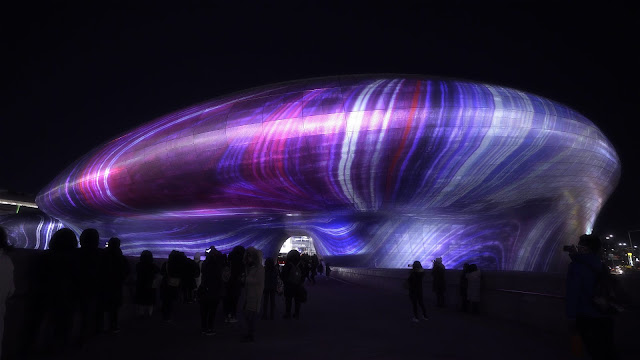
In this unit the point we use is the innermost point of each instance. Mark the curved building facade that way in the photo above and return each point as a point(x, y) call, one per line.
point(380, 170)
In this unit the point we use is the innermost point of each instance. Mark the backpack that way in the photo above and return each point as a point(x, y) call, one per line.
point(295, 275)
point(605, 293)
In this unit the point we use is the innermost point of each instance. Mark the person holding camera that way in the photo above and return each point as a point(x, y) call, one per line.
point(588, 322)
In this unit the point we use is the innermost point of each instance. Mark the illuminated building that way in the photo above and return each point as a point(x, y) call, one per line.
point(380, 169)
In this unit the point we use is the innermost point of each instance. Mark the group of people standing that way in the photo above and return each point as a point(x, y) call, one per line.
point(84, 285)
point(470, 284)
point(78, 287)
point(221, 279)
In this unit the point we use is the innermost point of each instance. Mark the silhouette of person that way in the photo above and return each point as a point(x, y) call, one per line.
point(304, 266)
point(234, 285)
point(415, 291)
point(474, 286)
point(270, 288)
point(146, 272)
point(115, 271)
point(464, 285)
point(439, 285)
point(7, 285)
point(210, 289)
point(89, 277)
point(171, 272)
point(197, 259)
point(254, 287)
point(293, 279)
point(585, 319)
point(62, 287)
point(191, 272)
point(314, 268)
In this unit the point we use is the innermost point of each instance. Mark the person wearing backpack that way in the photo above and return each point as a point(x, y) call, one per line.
point(292, 278)
point(592, 324)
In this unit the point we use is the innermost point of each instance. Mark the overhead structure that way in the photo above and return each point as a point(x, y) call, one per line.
point(380, 170)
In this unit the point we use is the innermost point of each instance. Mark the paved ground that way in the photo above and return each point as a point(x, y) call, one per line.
point(340, 321)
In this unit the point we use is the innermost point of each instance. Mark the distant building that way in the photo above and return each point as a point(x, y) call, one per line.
point(13, 202)
point(303, 244)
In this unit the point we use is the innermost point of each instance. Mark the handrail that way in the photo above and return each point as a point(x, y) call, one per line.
point(530, 293)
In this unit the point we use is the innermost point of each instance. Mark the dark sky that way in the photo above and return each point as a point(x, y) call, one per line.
point(74, 76)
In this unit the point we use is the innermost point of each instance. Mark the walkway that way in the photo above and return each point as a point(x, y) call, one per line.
point(340, 321)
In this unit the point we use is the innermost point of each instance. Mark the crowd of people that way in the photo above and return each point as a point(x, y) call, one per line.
point(218, 282)
point(83, 287)
point(79, 286)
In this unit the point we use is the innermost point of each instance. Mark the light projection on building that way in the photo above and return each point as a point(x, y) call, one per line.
point(30, 230)
point(381, 169)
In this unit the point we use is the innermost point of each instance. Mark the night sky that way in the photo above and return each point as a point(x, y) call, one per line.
point(75, 76)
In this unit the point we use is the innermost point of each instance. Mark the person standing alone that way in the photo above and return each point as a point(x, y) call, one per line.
point(415, 290)
point(439, 284)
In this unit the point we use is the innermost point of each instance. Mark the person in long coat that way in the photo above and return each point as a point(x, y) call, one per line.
point(474, 277)
point(271, 274)
point(254, 286)
point(293, 288)
point(62, 287)
point(464, 285)
point(439, 284)
point(7, 285)
point(233, 287)
point(146, 272)
point(210, 289)
point(171, 271)
point(115, 271)
point(415, 290)
point(91, 315)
